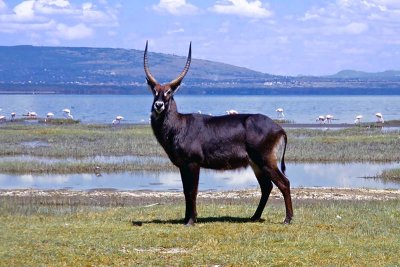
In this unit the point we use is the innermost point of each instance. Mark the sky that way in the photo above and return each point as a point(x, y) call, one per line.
point(298, 37)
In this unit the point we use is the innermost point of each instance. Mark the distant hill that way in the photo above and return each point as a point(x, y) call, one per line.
point(107, 65)
point(84, 70)
point(354, 74)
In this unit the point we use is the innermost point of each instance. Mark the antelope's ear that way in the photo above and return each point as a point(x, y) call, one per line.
point(175, 87)
point(151, 86)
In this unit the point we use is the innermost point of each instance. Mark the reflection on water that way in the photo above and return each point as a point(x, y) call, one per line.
point(96, 159)
point(300, 175)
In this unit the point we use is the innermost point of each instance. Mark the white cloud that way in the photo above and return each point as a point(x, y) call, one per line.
point(24, 11)
point(179, 30)
point(355, 28)
point(176, 7)
point(3, 6)
point(50, 7)
point(79, 31)
point(57, 19)
point(243, 8)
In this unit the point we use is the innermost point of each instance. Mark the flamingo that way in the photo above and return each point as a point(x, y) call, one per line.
point(67, 113)
point(2, 118)
point(117, 120)
point(321, 119)
point(32, 114)
point(358, 119)
point(231, 112)
point(329, 118)
point(279, 111)
point(49, 115)
point(379, 116)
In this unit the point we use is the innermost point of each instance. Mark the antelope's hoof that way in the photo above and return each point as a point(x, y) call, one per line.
point(189, 222)
point(256, 219)
point(287, 220)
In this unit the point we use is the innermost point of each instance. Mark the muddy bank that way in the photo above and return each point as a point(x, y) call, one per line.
point(142, 198)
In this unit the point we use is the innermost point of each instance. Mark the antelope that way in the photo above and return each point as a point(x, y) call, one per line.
point(194, 141)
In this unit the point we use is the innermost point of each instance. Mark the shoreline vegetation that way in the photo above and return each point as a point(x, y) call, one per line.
point(45, 148)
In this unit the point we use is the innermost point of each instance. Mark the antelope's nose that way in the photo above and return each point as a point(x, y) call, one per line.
point(159, 106)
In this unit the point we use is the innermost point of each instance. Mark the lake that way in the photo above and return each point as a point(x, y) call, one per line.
point(352, 175)
point(136, 108)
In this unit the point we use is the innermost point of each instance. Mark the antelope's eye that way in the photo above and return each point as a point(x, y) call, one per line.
point(168, 92)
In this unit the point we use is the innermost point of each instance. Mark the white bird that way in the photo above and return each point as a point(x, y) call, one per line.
point(320, 119)
point(67, 113)
point(117, 120)
point(49, 115)
point(231, 112)
point(358, 119)
point(2, 118)
point(32, 114)
point(329, 118)
point(379, 116)
point(280, 112)
point(13, 114)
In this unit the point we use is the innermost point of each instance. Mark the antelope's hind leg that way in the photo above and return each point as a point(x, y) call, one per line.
point(283, 184)
point(266, 188)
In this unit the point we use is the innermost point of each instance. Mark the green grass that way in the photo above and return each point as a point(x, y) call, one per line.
point(390, 175)
point(62, 141)
point(21, 167)
point(331, 233)
point(346, 145)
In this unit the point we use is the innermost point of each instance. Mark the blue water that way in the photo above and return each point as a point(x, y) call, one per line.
point(350, 175)
point(136, 108)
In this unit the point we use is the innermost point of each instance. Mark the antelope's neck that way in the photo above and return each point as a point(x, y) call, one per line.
point(166, 125)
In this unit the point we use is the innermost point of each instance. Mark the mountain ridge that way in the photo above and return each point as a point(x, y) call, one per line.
point(56, 69)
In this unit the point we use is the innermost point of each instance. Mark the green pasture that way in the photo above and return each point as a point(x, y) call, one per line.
point(334, 233)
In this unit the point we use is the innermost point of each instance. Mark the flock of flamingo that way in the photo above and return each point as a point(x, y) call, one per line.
point(34, 115)
point(280, 115)
point(328, 118)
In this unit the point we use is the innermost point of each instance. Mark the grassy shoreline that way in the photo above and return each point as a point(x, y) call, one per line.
point(79, 141)
point(323, 233)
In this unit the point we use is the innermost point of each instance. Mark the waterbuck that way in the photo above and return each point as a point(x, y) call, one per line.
point(194, 141)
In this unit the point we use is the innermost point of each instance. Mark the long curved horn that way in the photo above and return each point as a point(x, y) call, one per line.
point(175, 83)
point(150, 79)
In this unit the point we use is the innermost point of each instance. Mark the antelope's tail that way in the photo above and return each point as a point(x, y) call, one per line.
point(283, 166)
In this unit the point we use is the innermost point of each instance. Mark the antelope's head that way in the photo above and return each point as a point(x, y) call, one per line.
point(163, 93)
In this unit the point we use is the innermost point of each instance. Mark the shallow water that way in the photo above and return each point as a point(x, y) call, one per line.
point(96, 159)
point(136, 108)
point(300, 175)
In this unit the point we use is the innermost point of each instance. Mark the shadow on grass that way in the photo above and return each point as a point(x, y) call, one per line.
point(200, 220)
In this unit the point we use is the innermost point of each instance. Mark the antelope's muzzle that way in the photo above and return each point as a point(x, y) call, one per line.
point(159, 106)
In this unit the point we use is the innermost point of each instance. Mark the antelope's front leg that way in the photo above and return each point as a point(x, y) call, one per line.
point(190, 182)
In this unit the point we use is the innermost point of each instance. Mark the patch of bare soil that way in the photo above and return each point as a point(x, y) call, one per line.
point(143, 198)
